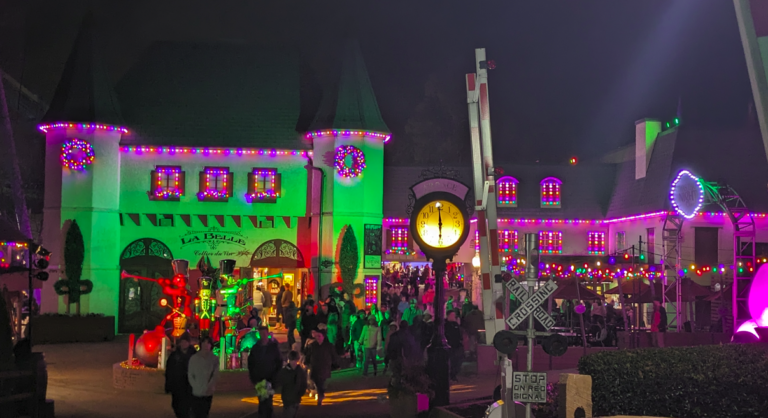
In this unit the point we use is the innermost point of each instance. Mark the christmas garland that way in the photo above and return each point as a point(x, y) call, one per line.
point(358, 161)
point(76, 154)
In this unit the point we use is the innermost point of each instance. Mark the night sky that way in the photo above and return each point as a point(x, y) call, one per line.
point(571, 76)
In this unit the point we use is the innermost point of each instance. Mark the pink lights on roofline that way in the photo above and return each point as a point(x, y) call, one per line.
point(636, 217)
point(216, 152)
point(45, 127)
point(337, 132)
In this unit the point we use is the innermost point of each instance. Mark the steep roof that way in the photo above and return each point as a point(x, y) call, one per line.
point(85, 92)
point(733, 157)
point(213, 94)
point(585, 192)
point(350, 102)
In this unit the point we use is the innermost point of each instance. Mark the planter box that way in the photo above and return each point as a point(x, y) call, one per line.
point(53, 329)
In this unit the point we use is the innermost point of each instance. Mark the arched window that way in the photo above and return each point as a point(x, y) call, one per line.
point(550, 192)
point(506, 191)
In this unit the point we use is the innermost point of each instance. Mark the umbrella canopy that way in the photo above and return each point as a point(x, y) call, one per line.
point(690, 290)
point(566, 289)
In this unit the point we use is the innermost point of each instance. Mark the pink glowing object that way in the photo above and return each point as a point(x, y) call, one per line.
point(758, 297)
point(749, 327)
point(580, 309)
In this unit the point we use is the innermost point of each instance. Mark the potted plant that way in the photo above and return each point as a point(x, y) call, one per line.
point(409, 389)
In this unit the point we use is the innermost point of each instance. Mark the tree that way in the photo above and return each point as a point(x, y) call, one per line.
point(349, 260)
point(74, 254)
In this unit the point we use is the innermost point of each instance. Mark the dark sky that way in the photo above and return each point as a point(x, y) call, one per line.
point(571, 76)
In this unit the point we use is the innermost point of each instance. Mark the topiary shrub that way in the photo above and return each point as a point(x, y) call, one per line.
point(349, 260)
point(74, 254)
point(726, 381)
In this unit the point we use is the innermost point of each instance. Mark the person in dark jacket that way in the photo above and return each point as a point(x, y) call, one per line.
point(292, 381)
point(279, 315)
point(289, 318)
point(264, 362)
point(321, 358)
point(308, 323)
point(354, 336)
point(453, 336)
point(176, 380)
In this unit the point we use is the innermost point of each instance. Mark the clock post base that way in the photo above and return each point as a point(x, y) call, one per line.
point(438, 367)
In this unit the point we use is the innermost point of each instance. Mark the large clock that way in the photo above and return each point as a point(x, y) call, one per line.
point(439, 224)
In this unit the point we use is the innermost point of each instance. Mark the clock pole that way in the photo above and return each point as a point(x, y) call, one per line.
point(438, 363)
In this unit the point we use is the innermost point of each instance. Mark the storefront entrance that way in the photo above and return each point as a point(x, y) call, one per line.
point(140, 308)
point(276, 263)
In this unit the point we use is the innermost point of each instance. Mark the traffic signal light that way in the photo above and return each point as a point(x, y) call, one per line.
point(41, 263)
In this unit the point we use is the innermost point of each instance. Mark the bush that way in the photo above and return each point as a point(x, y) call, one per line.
point(691, 382)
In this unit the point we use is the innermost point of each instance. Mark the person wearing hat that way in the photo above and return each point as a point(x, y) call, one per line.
point(322, 359)
point(176, 379)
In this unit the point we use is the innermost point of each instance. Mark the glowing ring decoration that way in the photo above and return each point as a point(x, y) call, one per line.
point(76, 154)
point(358, 161)
point(687, 194)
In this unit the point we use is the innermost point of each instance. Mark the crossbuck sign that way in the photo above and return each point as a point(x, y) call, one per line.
point(531, 305)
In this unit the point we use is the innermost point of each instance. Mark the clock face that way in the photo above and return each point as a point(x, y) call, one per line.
point(440, 224)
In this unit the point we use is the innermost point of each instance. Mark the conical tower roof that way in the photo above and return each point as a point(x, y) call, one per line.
point(85, 93)
point(351, 102)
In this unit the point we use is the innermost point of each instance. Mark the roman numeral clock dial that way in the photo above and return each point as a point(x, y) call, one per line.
point(440, 224)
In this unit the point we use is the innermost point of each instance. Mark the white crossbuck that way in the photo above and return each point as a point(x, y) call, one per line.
point(531, 305)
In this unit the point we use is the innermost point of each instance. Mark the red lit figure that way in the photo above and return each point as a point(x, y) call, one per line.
point(178, 291)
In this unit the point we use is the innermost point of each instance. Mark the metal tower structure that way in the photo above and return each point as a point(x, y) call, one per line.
point(671, 235)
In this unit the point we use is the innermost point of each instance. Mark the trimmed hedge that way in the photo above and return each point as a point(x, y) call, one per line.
point(725, 381)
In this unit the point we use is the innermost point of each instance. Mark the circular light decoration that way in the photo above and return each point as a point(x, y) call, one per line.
point(687, 194)
point(358, 161)
point(76, 154)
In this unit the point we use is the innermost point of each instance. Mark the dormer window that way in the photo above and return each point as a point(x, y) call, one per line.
point(215, 184)
point(264, 186)
point(550, 192)
point(167, 183)
point(506, 192)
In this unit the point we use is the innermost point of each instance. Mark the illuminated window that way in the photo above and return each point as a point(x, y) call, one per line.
point(399, 242)
point(550, 242)
point(371, 290)
point(264, 186)
point(596, 243)
point(167, 183)
point(507, 241)
point(550, 192)
point(506, 191)
point(215, 184)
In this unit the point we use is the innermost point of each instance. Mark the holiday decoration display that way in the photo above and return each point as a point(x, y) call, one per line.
point(686, 194)
point(205, 303)
point(399, 242)
point(508, 241)
point(262, 185)
point(74, 254)
point(168, 183)
point(507, 191)
point(371, 290)
point(217, 184)
point(81, 127)
point(176, 289)
point(596, 243)
point(148, 346)
point(550, 242)
point(349, 260)
point(215, 152)
point(358, 161)
point(76, 154)
point(318, 134)
point(550, 192)
point(13, 244)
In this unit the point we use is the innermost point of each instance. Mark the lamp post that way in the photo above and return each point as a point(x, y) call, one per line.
point(438, 364)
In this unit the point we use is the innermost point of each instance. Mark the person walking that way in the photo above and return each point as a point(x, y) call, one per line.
point(370, 339)
point(203, 375)
point(259, 300)
point(354, 338)
point(659, 324)
point(453, 336)
point(177, 379)
point(264, 362)
point(391, 342)
point(412, 312)
point(321, 358)
point(279, 307)
point(292, 381)
point(267, 307)
point(289, 319)
point(307, 323)
point(285, 299)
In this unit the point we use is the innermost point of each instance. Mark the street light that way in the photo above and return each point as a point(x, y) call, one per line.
point(476, 261)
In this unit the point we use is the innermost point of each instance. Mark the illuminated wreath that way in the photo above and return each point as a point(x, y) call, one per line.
point(76, 154)
point(358, 161)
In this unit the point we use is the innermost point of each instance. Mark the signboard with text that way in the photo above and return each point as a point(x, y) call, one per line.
point(529, 387)
point(532, 305)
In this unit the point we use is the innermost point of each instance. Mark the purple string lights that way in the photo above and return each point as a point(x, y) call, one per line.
point(168, 181)
point(215, 152)
point(81, 127)
point(76, 154)
point(335, 132)
point(263, 185)
point(358, 161)
point(216, 184)
point(686, 194)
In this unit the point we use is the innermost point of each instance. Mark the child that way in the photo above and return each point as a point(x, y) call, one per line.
point(293, 383)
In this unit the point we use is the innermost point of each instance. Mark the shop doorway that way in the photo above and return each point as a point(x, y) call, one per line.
point(139, 306)
point(276, 263)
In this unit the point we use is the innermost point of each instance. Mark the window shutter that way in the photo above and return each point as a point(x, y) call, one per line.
point(251, 189)
point(201, 182)
point(230, 181)
point(279, 185)
point(183, 183)
point(152, 185)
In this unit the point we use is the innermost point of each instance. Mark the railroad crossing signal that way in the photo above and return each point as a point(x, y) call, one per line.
point(532, 305)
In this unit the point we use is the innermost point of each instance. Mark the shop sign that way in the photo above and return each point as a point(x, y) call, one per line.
point(451, 186)
point(212, 238)
point(372, 246)
point(687, 194)
point(529, 387)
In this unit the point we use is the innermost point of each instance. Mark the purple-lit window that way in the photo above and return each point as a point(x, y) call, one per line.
point(550, 192)
point(550, 242)
point(215, 184)
point(507, 241)
point(371, 290)
point(399, 241)
point(596, 243)
point(506, 191)
point(263, 186)
point(167, 183)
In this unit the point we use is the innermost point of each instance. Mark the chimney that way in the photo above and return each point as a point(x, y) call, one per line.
point(646, 131)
